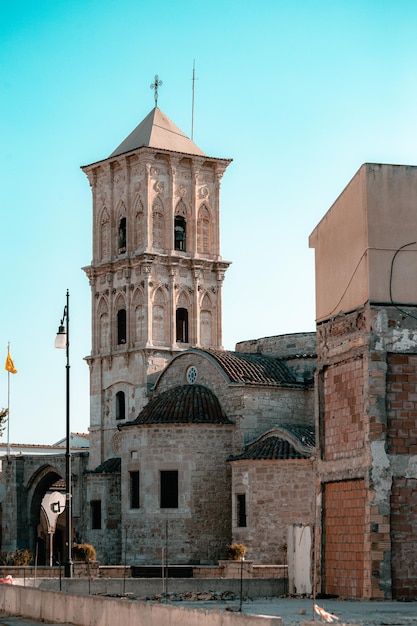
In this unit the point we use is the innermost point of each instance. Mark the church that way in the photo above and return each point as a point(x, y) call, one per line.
point(300, 446)
point(182, 431)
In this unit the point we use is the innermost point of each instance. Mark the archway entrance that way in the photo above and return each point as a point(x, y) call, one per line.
point(49, 540)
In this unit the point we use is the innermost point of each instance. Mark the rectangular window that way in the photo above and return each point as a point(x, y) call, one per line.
point(241, 510)
point(95, 506)
point(134, 490)
point(169, 490)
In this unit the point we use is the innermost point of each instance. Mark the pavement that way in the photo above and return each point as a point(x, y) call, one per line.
point(294, 611)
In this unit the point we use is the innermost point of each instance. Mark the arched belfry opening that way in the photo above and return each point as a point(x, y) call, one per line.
point(182, 325)
point(180, 234)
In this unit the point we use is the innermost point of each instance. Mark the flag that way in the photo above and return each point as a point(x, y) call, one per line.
point(9, 366)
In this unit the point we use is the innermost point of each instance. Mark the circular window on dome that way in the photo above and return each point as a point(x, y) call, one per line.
point(191, 374)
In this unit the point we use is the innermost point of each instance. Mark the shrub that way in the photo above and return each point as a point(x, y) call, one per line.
point(236, 551)
point(18, 558)
point(84, 552)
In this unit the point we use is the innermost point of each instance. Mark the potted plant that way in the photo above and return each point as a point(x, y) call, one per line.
point(236, 551)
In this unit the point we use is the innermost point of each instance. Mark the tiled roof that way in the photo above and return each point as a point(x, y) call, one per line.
point(111, 466)
point(158, 131)
point(288, 442)
point(254, 369)
point(185, 404)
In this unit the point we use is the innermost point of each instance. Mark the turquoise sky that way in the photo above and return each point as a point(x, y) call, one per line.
point(298, 93)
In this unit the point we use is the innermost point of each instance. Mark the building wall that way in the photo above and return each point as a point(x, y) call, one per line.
point(402, 448)
point(199, 529)
point(254, 409)
point(279, 494)
point(403, 534)
point(346, 530)
point(281, 346)
point(366, 421)
point(26, 479)
point(342, 423)
point(372, 220)
point(107, 540)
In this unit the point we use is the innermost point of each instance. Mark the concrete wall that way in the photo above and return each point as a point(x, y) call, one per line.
point(51, 606)
point(142, 587)
point(357, 239)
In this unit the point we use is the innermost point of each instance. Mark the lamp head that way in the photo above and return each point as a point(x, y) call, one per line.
point(61, 337)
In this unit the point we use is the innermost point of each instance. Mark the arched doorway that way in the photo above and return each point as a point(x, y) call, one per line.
point(46, 549)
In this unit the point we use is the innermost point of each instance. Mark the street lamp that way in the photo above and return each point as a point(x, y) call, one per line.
point(62, 341)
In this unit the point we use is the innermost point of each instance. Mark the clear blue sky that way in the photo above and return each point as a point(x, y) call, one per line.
point(298, 93)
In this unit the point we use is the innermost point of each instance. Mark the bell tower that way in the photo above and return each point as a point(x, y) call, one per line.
point(156, 274)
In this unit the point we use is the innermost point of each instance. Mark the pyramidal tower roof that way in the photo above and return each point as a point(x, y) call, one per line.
point(157, 131)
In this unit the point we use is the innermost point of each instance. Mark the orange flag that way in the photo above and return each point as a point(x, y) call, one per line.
point(9, 366)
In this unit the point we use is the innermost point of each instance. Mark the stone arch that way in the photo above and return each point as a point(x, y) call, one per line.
point(104, 233)
point(206, 321)
point(103, 330)
point(139, 224)
point(181, 208)
point(183, 317)
point(159, 317)
point(158, 223)
point(45, 479)
point(121, 226)
point(139, 316)
point(183, 299)
point(120, 320)
point(204, 230)
point(180, 226)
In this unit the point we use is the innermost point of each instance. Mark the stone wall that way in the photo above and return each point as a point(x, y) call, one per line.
point(254, 410)
point(26, 479)
point(199, 529)
point(278, 494)
point(107, 540)
point(281, 346)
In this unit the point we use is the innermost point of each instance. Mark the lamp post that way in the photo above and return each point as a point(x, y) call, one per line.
point(62, 341)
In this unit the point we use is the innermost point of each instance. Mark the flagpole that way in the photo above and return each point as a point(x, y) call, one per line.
point(8, 407)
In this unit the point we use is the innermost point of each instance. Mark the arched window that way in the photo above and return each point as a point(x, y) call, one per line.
point(203, 231)
point(121, 326)
point(182, 325)
point(104, 234)
point(158, 223)
point(159, 318)
point(120, 405)
point(122, 235)
point(139, 229)
point(206, 322)
point(104, 331)
point(180, 233)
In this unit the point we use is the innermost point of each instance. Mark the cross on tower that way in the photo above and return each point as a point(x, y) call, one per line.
point(157, 83)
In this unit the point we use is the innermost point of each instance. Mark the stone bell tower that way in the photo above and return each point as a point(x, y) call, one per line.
point(156, 274)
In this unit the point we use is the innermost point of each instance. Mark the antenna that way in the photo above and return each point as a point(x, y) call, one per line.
point(157, 83)
point(192, 104)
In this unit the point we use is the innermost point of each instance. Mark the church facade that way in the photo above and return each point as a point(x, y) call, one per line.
point(171, 410)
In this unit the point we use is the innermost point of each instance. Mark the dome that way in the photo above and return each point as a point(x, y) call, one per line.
point(185, 404)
